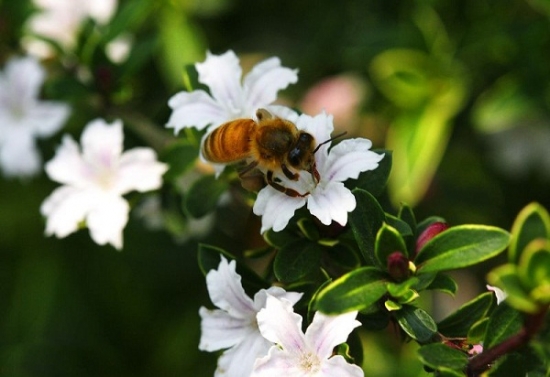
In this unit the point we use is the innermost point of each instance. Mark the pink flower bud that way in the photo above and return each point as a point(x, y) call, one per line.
point(430, 232)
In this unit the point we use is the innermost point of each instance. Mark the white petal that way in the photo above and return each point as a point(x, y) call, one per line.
point(279, 324)
point(227, 293)
point(219, 330)
point(19, 156)
point(239, 360)
point(107, 220)
point(24, 78)
point(275, 208)
point(283, 112)
point(337, 366)
point(278, 363)
point(101, 10)
point(222, 74)
point(65, 208)
point(102, 142)
point(195, 109)
point(349, 158)
point(139, 170)
point(265, 80)
point(331, 203)
point(321, 127)
point(67, 166)
point(260, 298)
point(47, 117)
point(326, 332)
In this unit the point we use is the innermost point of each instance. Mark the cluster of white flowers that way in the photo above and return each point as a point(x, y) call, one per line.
point(328, 200)
point(260, 336)
point(263, 337)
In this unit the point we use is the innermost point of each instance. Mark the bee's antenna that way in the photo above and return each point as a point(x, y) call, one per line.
point(329, 140)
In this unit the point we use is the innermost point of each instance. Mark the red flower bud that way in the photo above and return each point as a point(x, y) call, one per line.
point(430, 232)
point(398, 266)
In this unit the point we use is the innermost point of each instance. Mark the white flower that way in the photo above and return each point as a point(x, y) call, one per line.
point(94, 181)
point(329, 200)
point(228, 99)
point(499, 293)
point(304, 355)
point(23, 117)
point(60, 21)
point(234, 325)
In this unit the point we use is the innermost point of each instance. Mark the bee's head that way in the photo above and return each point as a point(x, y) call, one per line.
point(302, 155)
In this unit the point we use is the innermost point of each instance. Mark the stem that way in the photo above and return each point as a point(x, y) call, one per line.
point(482, 362)
point(157, 137)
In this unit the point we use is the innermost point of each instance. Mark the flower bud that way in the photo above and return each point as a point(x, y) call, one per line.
point(430, 232)
point(398, 266)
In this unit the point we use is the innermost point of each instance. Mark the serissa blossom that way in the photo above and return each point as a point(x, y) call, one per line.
point(94, 178)
point(328, 200)
point(24, 117)
point(233, 326)
point(229, 98)
point(60, 21)
point(299, 354)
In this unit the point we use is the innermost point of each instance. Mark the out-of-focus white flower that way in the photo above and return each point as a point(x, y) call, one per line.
point(299, 354)
point(94, 180)
point(233, 326)
point(229, 98)
point(119, 48)
point(329, 200)
point(499, 293)
point(23, 117)
point(60, 21)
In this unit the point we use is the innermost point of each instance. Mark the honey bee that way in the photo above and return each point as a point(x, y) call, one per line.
point(271, 144)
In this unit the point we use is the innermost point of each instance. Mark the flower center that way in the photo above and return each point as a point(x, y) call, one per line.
point(309, 362)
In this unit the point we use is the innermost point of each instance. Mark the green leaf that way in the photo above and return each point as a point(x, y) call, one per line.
point(400, 289)
point(534, 268)
point(308, 228)
point(443, 283)
point(353, 291)
point(374, 181)
point(503, 323)
point(459, 323)
point(344, 256)
point(418, 324)
point(406, 215)
point(297, 260)
point(365, 220)
point(280, 239)
point(404, 229)
point(438, 356)
point(180, 156)
point(461, 246)
point(506, 278)
point(202, 197)
point(532, 222)
point(209, 257)
point(388, 240)
point(478, 330)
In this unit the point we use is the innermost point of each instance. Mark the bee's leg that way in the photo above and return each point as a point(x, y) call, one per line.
point(289, 174)
point(285, 190)
point(247, 168)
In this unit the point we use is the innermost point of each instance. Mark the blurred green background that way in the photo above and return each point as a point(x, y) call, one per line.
point(460, 91)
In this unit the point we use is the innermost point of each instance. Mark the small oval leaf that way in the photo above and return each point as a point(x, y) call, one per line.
point(460, 322)
point(365, 220)
point(353, 291)
point(418, 324)
point(461, 246)
point(297, 260)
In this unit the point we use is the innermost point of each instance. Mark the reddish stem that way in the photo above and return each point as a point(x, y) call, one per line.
point(482, 362)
